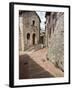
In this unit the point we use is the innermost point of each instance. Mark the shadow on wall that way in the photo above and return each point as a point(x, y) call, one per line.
point(28, 68)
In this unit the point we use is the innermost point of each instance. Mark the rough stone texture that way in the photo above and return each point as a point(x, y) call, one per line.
point(55, 39)
point(42, 38)
point(29, 23)
point(21, 40)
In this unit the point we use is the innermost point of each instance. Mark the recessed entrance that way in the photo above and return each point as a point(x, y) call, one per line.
point(28, 39)
point(33, 39)
point(28, 36)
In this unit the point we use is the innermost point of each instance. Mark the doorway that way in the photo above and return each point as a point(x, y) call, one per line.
point(33, 38)
point(28, 39)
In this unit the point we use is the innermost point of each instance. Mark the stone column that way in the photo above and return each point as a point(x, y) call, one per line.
point(21, 30)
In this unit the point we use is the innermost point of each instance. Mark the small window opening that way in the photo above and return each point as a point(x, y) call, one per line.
point(33, 22)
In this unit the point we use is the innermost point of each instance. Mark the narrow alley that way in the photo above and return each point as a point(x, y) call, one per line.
point(35, 65)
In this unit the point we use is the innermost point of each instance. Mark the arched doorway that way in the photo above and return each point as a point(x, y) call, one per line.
point(28, 39)
point(33, 37)
point(28, 36)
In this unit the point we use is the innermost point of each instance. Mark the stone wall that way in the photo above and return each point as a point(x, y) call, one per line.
point(30, 28)
point(21, 39)
point(55, 39)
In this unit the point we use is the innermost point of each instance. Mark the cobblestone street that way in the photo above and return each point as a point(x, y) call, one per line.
point(34, 64)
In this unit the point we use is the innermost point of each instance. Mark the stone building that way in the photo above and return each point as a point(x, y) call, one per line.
point(29, 29)
point(42, 38)
point(55, 38)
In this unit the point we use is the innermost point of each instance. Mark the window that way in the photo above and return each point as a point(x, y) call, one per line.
point(33, 23)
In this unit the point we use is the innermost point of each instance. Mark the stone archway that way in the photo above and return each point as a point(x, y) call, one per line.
point(28, 39)
point(33, 38)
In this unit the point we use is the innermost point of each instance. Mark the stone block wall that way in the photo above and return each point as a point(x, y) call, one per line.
point(56, 41)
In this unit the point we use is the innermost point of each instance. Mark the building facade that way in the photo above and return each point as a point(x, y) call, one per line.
point(55, 38)
point(42, 38)
point(29, 29)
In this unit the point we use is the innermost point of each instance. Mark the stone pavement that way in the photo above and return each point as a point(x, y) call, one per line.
point(34, 64)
